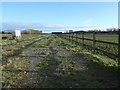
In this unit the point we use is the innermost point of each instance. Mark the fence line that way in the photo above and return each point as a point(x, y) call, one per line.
point(73, 37)
point(119, 53)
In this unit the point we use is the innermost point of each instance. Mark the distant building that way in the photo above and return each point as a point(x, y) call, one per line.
point(56, 32)
point(78, 31)
point(70, 31)
point(112, 29)
point(66, 31)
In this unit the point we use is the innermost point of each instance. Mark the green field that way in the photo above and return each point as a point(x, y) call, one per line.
point(102, 37)
point(48, 61)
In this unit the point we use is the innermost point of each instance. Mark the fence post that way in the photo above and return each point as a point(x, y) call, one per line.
point(65, 35)
point(119, 52)
point(72, 37)
point(69, 37)
point(76, 38)
point(94, 38)
point(83, 39)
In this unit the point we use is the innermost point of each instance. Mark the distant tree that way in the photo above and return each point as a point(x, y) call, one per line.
point(3, 32)
point(31, 31)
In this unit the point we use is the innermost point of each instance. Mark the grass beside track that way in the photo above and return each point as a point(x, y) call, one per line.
point(51, 62)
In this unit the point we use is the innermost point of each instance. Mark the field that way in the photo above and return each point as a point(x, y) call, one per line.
point(48, 61)
point(110, 38)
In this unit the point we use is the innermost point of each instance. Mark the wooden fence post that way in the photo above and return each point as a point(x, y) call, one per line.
point(69, 37)
point(118, 41)
point(119, 51)
point(83, 39)
point(76, 38)
point(65, 35)
point(94, 38)
point(72, 37)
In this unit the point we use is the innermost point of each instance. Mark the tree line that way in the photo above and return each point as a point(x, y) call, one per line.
point(27, 31)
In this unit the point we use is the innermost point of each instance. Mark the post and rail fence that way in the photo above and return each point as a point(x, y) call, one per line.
point(107, 48)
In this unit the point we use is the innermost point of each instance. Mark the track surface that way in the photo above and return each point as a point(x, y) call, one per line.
point(47, 63)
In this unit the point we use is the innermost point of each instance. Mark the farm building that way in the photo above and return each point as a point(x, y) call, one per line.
point(56, 32)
